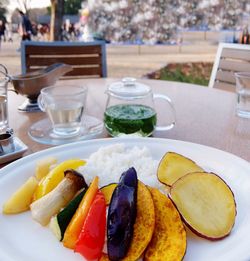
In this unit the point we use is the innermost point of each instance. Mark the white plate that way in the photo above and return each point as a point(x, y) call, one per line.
point(23, 239)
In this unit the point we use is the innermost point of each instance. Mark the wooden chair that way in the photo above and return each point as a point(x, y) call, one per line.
point(88, 59)
point(230, 58)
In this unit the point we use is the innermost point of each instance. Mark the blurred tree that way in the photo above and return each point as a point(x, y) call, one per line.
point(72, 7)
point(3, 4)
point(157, 21)
point(56, 20)
point(231, 14)
point(24, 5)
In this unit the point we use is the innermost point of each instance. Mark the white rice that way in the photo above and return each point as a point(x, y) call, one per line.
point(111, 161)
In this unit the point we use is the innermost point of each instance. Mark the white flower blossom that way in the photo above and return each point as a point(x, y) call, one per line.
point(123, 4)
point(152, 21)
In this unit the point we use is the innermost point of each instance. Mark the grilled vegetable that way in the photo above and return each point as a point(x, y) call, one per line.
point(43, 167)
point(206, 204)
point(108, 191)
point(74, 228)
point(91, 239)
point(43, 209)
point(20, 201)
point(169, 237)
point(121, 215)
point(144, 223)
point(59, 223)
point(55, 176)
point(143, 227)
point(173, 166)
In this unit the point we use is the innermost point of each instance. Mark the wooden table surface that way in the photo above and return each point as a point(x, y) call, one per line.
point(205, 116)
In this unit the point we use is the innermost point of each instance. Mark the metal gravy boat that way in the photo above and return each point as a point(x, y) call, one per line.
point(30, 84)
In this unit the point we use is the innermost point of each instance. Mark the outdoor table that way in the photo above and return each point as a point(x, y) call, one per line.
point(203, 115)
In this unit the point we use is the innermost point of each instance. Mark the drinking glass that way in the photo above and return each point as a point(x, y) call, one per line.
point(64, 106)
point(243, 94)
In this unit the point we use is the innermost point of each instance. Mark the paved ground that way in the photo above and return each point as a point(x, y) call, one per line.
point(134, 61)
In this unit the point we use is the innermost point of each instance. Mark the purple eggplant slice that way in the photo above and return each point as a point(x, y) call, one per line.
point(121, 215)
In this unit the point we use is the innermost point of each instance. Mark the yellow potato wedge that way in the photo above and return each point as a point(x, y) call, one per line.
point(20, 201)
point(43, 167)
point(174, 166)
point(206, 204)
point(169, 237)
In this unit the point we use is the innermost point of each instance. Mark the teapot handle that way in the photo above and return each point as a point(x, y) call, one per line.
point(168, 100)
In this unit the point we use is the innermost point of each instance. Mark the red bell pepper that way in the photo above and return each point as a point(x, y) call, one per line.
point(91, 239)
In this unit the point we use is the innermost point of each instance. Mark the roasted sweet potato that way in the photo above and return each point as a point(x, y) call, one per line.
point(169, 237)
point(173, 166)
point(206, 204)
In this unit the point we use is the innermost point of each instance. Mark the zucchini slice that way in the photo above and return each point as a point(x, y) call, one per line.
point(59, 223)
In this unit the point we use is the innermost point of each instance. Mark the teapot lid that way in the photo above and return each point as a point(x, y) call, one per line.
point(128, 88)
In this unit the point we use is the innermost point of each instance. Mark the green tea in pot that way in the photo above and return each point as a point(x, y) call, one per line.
point(130, 119)
point(130, 109)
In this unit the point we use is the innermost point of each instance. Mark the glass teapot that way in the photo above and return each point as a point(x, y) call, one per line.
point(130, 109)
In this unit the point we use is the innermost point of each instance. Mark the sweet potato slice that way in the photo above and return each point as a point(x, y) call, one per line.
point(169, 237)
point(143, 227)
point(173, 166)
point(206, 204)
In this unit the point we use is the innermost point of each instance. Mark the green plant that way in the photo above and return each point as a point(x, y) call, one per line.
point(178, 76)
point(196, 73)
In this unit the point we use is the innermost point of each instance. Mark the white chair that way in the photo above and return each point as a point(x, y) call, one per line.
point(230, 58)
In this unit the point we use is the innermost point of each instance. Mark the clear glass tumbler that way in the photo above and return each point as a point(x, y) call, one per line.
point(243, 94)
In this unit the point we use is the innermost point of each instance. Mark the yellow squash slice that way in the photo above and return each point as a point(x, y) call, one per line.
point(55, 176)
point(169, 238)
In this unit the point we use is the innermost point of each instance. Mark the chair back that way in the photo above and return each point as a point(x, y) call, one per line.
point(230, 58)
point(88, 59)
